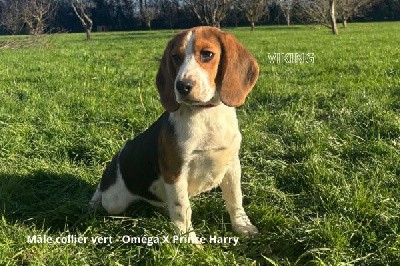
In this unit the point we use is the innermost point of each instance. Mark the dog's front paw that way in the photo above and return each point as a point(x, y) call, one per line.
point(247, 229)
point(243, 226)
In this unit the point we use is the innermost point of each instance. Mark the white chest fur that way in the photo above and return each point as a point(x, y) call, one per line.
point(209, 140)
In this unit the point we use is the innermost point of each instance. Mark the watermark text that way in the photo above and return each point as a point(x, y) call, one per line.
point(291, 58)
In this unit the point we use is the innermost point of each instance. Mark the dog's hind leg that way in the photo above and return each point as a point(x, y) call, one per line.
point(116, 198)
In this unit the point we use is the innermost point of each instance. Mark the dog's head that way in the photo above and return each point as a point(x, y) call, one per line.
point(205, 66)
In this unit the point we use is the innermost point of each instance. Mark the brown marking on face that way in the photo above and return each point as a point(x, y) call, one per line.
point(206, 40)
point(169, 159)
point(168, 69)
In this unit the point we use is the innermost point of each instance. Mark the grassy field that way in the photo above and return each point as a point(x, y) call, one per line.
point(320, 153)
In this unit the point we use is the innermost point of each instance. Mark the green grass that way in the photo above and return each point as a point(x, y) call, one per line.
point(320, 153)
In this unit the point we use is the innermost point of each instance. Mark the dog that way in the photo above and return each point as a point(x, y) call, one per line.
point(194, 146)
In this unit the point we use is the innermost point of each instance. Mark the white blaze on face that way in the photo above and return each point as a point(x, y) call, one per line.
point(190, 70)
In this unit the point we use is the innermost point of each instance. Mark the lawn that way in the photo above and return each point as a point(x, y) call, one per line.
point(320, 151)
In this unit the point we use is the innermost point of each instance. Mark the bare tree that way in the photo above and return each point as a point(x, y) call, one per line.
point(209, 12)
point(10, 17)
point(254, 10)
point(313, 11)
point(287, 8)
point(325, 12)
point(35, 15)
point(148, 10)
point(38, 14)
point(321, 12)
point(350, 8)
point(82, 11)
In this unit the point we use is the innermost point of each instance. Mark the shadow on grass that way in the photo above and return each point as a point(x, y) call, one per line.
point(58, 202)
point(54, 201)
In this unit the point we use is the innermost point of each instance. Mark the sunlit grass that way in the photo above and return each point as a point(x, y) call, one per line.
point(320, 153)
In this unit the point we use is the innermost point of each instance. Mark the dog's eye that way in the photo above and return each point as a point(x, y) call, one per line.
point(206, 56)
point(177, 59)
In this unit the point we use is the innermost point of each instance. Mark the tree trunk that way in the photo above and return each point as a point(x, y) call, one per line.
point(344, 22)
point(39, 27)
point(86, 21)
point(252, 26)
point(333, 17)
point(288, 17)
point(88, 34)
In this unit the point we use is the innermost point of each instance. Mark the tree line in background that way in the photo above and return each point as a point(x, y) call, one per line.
point(48, 16)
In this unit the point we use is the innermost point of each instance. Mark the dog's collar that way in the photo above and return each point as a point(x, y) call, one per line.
point(206, 105)
point(202, 106)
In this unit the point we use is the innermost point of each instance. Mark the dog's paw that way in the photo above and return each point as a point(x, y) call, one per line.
point(243, 226)
point(247, 229)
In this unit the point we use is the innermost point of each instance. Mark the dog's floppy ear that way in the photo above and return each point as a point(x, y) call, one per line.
point(238, 71)
point(166, 78)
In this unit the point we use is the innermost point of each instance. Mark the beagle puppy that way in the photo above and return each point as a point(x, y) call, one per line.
point(194, 146)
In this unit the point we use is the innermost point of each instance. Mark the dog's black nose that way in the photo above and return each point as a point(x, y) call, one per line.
point(184, 86)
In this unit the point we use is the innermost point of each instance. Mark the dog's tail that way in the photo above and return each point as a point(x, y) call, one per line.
point(96, 199)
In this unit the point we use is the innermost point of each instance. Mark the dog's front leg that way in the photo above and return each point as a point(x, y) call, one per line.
point(179, 209)
point(232, 194)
